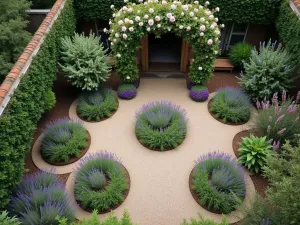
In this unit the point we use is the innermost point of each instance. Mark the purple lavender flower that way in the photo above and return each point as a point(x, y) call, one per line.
point(279, 119)
point(199, 93)
point(281, 131)
point(127, 91)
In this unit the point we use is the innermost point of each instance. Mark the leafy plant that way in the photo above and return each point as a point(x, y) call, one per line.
point(40, 198)
point(111, 220)
point(288, 27)
point(13, 36)
point(126, 91)
point(135, 21)
point(202, 221)
point(240, 53)
point(253, 153)
point(199, 93)
point(6, 220)
point(268, 71)
point(278, 121)
point(98, 105)
point(231, 105)
point(63, 139)
point(28, 103)
point(95, 192)
point(283, 173)
point(50, 100)
point(219, 182)
point(161, 125)
point(84, 61)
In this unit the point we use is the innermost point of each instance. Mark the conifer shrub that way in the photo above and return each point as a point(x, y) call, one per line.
point(84, 61)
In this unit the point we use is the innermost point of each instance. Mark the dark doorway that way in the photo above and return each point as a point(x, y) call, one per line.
point(164, 52)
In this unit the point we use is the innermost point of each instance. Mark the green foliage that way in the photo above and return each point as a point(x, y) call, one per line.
point(202, 221)
point(90, 193)
point(161, 125)
point(288, 26)
point(283, 173)
point(42, 4)
point(84, 61)
point(95, 106)
point(6, 220)
point(63, 140)
point(13, 37)
point(219, 182)
point(268, 71)
point(253, 153)
point(231, 105)
point(112, 220)
point(253, 11)
point(259, 213)
point(240, 53)
point(50, 100)
point(20, 118)
point(126, 43)
point(280, 121)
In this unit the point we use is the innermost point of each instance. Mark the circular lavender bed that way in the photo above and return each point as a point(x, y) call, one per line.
point(127, 91)
point(199, 93)
point(161, 125)
point(217, 182)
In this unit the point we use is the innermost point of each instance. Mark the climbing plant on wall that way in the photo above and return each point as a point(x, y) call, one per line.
point(195, 23)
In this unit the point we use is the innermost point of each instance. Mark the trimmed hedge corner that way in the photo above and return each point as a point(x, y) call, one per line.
point(28, 104)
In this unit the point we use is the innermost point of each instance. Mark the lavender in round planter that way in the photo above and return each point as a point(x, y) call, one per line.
point(127, 91)
point(199, 93)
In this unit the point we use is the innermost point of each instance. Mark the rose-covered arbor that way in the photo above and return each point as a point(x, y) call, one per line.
point(193, 22)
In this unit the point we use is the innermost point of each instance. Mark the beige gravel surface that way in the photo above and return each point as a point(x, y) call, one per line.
point(159, 193)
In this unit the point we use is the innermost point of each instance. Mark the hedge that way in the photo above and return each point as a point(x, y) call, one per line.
point(288, 26)
point(20, 118)
point(232, 11)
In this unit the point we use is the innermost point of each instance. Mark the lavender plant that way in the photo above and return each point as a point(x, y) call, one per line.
point(231, 105)
point(253, 153)
point(161, 125)
point(127, 91)
point(268, 71)
point(100, 181)
point(40, 198)
point(98, 105)
point(63, 139)
point(199, 93)
point(279, 121)
point(219, 182)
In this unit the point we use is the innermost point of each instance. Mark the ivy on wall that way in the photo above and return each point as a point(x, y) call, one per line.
point(20, 118)
point(232, 11)
point(288, 26)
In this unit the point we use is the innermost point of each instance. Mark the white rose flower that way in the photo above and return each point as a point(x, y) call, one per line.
point(202, 19)
point(120, 22)
point(141, 24)
point(115, 40)
point(112, 6)
point(196, 2)
point(151, 10)
point(211, 17)
point(188, 28)
point(131, 22)
point(207, 3)
point(137, 18)
point(148, 29)
point(112, 44)
point(125, 1)
point(104, 30)
point(180, 27)
point(201, 34)
point(200, 68)
point(128, 77)
point(158, 25)
point(126, 20)
point(117, 35)
point(119, 55)
point(217, 9)
point(216, 19)
point(146, 17)
point(114, 15)
point(131, 29)
point(196, 10)
point(192, 14)
point(216, 52)
point(173, 6)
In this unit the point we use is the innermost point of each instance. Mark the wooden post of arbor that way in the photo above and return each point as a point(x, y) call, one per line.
point(184, 56)
point(145, 53)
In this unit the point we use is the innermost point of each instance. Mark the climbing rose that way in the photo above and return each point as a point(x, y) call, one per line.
point(172, 19)
point(201, 34)
point(116, 35)
point(131, 29)
point(137, 19)
point(157, 18)
point(151, 22)
point(146, 16)
point(158, 25)
point(217, 9)
point(207, 3)
point(120, 22)
point(188, 28)
point(210, 42)
point(202, 28)
point(180, 27)
point(173, 6)
point(169, 15)
point(200, 68)
point(185, 7)
point(211, 17)
point(202, 19)
point(124, 36)
point(124, 28)
point(164, 3)
point(141, 24)
point(192, 14)
point(151, 10)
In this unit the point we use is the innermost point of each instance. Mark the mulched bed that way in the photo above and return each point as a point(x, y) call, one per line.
point(260, 183)
point(221, 120)
point(74, 158)
point(125, 194)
